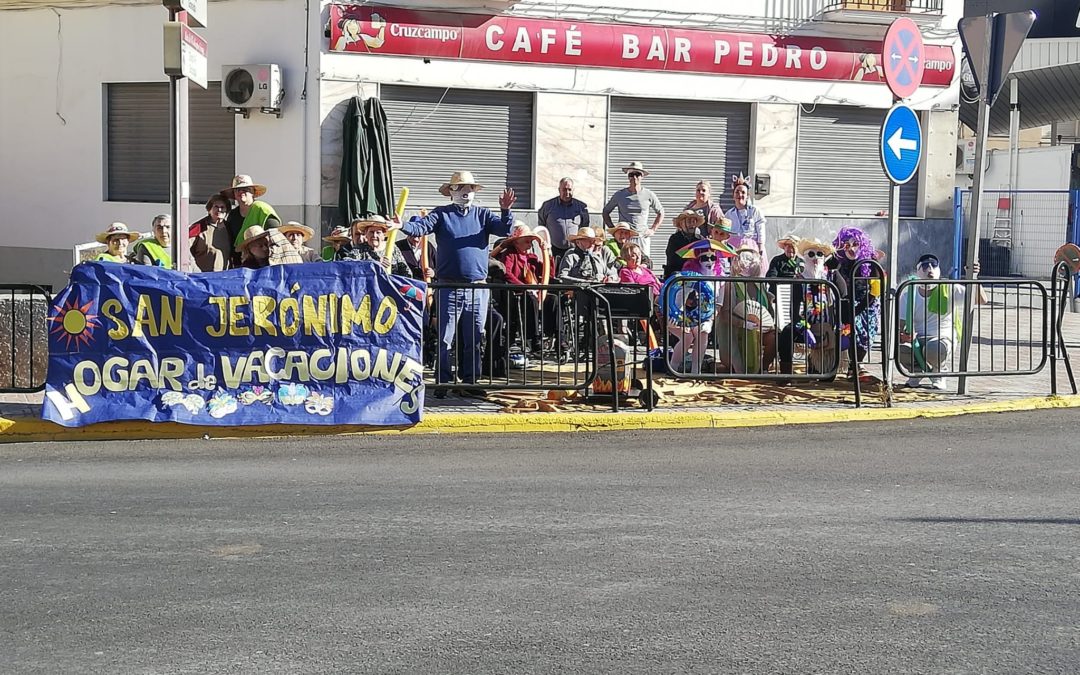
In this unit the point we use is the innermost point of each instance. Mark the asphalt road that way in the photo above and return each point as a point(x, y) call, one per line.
point(930, 546)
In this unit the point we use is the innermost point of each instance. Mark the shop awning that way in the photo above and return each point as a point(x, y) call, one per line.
point(1048, 76)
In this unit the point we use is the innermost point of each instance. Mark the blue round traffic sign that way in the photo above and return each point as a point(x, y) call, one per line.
point(902, 53)
point(901, 144)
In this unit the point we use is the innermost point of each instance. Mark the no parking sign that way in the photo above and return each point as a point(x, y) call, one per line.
point(902, 52)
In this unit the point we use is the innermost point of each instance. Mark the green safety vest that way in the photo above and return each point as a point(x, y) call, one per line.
point(258, 214)
point(108, 257)
point(937, 303)
point(157, 252)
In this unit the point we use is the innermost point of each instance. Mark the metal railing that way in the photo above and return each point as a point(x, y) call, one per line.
point(1061, 291)
point(865, 290)
point(720, 328)
point(24, 337)
point(492, 336)
point(891, 6)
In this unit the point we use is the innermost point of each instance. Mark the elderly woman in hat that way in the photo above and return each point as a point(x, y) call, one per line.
point(117, 238)
point(622, 234)
point(263, 248)
point(369, 245)
point(337, 238)
point(298, 235)
point(249, 210)
point(589, 260)
point(522, 267)
point(688, 229)
point(211, 245)
point(463, 233)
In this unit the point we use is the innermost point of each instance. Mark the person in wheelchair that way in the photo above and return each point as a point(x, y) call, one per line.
point(523, 268)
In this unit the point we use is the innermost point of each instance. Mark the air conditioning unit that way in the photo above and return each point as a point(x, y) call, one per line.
point(252, 87)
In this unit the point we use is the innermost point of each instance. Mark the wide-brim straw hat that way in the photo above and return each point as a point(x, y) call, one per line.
point(622, 227)
point(586, 233)
point(635, 166)
point(252, 234)
point(724, 225)
point(694, 248)
point(813, 244)
point(521, 232)
point(244, 181)
point(690, 214)
point(115, 229)
point(293, 226)
point(339, 233)
point(789, 238)
point(367, 222)
point(459, 178)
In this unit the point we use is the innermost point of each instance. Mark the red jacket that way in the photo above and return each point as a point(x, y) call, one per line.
point(517, 264)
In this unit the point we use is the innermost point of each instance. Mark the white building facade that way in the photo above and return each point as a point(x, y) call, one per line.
point(522, 93)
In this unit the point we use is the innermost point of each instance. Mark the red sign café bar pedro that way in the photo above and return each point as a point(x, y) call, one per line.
point(374, 29)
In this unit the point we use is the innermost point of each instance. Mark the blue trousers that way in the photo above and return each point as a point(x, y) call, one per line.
point(462, 314)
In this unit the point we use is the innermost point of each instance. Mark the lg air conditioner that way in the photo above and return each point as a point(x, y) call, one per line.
point(252, 87)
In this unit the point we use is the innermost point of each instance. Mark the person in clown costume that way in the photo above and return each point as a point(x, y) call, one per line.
point(814, 305)
point(690, 305)
point(746, 327)
point(930, 322)
point(862, 306)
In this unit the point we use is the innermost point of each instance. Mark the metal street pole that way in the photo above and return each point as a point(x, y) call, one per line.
point(974, 221)
point(179, 190)
point(887, 329)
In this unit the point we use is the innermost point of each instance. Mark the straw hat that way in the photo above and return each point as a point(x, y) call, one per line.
point(521, 232)
point(694, 249)
point(374, 220)
point(252, 234)
point(689, 214)
point(585, 233)
point(244, 181)
point(812, 244)
point(339, 233)
point(622, 227)
point(459, 178)
point(293, 226)
point(115, 229)
point(635, 166)
point(724, 225)
point(789, 238)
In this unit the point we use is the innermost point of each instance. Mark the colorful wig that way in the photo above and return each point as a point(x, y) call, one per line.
point(865, 248)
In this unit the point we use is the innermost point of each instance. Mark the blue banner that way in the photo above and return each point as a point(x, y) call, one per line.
point(318, 343)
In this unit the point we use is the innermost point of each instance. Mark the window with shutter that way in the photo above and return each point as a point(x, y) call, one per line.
point(137, 142)
point(435, 132)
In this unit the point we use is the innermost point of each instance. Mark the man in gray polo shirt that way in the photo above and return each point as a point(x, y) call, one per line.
point(633, 203)
point(563, 216)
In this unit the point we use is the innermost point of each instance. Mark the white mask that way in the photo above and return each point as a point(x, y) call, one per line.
point(815, 268)
point(462, 198)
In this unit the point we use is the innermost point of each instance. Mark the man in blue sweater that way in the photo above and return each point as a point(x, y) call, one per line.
point(462, 234)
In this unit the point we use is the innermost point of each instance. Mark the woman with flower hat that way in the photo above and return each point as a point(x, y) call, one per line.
point(117, 238)
point(746, 333)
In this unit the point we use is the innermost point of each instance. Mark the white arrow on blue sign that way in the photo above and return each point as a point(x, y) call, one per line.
point(901, 144)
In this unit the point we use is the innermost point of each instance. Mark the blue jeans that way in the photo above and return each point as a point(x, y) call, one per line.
point(462, 314)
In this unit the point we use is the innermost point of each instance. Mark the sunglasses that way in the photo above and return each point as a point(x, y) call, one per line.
point(815, 254)
point(634, 174)
point(707, 258)
point(928, 265)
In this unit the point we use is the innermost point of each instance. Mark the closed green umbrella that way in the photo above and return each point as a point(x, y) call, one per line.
point(367, 182)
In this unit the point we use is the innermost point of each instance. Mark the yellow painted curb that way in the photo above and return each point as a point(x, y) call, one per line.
point(27, 429)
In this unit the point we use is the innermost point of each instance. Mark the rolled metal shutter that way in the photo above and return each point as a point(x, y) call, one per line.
point(838, 165)
point(137, 142)
point(435, 132)
point(680, 142)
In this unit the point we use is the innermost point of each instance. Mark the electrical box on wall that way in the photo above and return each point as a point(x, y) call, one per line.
point(252, 87)
point(762, 184)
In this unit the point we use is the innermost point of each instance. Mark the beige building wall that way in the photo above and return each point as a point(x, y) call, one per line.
point(571, 140)
point(939, 162)
point(772, 150)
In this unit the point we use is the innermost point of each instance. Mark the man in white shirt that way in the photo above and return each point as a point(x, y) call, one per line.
point(930, 320)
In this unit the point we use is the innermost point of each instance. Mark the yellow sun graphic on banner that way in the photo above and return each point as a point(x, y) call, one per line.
point(74, 323)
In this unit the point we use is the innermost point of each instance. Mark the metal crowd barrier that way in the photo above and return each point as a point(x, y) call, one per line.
point(866, 289)
point(750, 328)
point(517, 336)
point(1010, 333)
point(24, 337)
point(1061, 290)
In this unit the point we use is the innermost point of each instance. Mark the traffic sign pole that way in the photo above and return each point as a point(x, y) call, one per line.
point(179, 186)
